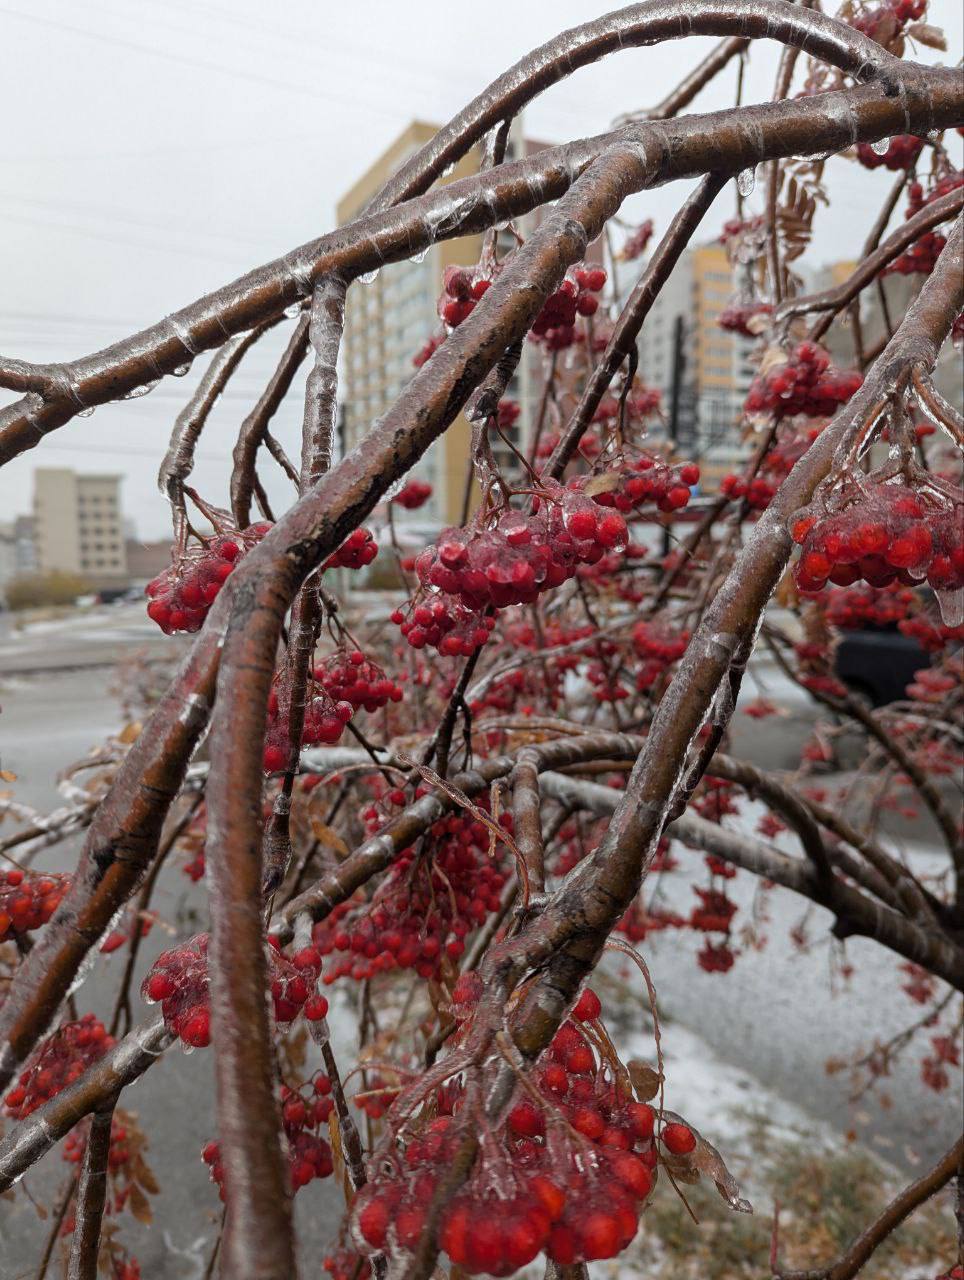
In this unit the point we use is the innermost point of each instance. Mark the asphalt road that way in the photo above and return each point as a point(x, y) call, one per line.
point(779, 1016)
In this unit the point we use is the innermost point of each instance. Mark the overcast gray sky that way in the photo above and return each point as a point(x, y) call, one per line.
point(156, 149)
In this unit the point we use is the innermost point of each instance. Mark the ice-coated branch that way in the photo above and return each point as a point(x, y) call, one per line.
point(638, 305)
point(527, 819)
point(32, 1138)
point(254, 428)
point(179, 460)
point(937, 407)
point(851, 1262)
point(856, 913)
point(91, 1197)
point(726, 142)
point(258, 1238)
point(833, 301)
point(572, 930)
point(642, 24)
point(381, 850)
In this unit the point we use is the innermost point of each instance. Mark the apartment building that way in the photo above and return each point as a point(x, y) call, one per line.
point(390, 317)
point(78, 526)
point(714, 373)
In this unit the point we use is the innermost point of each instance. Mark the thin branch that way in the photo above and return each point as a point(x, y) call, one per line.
point(91, 1197)
point(851, 1262)
point(255, 425)
point(179, 460)
point(638, 306)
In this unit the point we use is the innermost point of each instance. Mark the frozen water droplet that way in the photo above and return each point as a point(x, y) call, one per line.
point(136, 392)
point(85, 413)
point(369, 277)
point(746, 181)
point(182, 369)
point(293, 310)
point(420, 256)
point(951, 605)
point(880, 147)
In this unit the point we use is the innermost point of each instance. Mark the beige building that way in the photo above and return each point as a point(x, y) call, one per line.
point(78, 527)
point(389, 319)
point(716, 371)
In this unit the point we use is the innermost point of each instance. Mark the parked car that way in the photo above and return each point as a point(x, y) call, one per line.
point(878, 663)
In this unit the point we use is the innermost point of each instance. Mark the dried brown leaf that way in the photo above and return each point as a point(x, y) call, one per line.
point(605, 482)
point(328, 837)
point(646, 1079)
point(924, 33)
point(140, 1205)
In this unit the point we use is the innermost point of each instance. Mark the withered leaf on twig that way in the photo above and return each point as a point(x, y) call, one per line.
point(646, 1079)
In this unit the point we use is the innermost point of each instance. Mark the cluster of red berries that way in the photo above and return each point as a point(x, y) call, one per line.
point(424, 908)
point(713, 915)
point(576, 296)
point(805, 383)
point(377, 1096)
point(744, 317)
point(507, 413)
point(521, 555)
point(922, 255)
point(635, 244)
point(60, 1060)
point(181, 596)
point(931, 636)
point(346, 1264)
point(303, 1112)
point(473, 570)
point(757, 492)
point(358, 550)
point(735, 229)
point(348, 676)
point(179, 980)
point(901, 153)
point(885, 21)
point(539, 1190)
point(932, 685)
point(945, 1052)
point(324, 721)
point(659, 648)
point(642, 402)
point(414, 494)
point(881, 532)
point(118, 1155)
point(646, 478)
point(854, 608)
point(27, 900)
point(462, 287)
point(442, 622)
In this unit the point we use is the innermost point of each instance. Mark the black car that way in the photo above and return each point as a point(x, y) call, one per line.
point(879, 663)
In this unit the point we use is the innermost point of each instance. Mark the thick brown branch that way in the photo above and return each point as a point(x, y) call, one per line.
point(120, 1066)
point(647, 23)
point(695, 145)
point(91, 1198)
point(577, 920)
